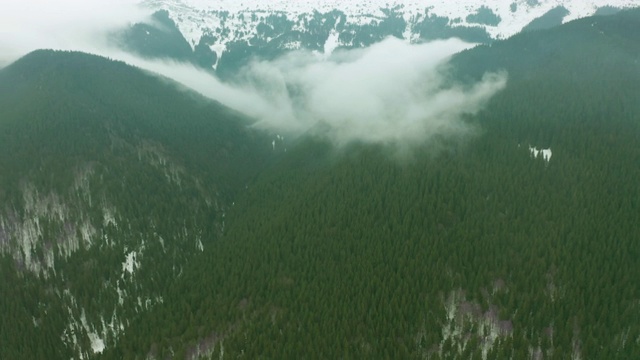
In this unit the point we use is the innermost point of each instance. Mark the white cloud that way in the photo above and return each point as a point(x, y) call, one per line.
point(389, 92)
point(27, 25)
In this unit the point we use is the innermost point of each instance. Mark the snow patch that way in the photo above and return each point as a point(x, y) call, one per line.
point(293, 45)
point(545, 153)
point(232, 20)
point(97, 344)
point(21, 233)
point(332, 42)
point(466, 320)
point(130, 263)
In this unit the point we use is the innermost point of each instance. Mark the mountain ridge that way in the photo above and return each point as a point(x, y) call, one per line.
point(112, 179)
point(239, 21)
point(226, 35)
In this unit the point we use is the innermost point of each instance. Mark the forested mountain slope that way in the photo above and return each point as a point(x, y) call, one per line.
point(522, 243)
point(575, 50)
point(111, 179)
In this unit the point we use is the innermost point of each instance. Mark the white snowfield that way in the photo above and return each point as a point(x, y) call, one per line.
point(197, 17)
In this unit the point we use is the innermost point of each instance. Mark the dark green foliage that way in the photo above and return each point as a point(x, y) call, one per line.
point(236, 55)
point(161, 40)
point(485, 16)
point(351, 253)
point(550, 19)
point(608, 40)
point(393, 24)
point(101, 139)
point(204, 56)
point(354, 255)
point(435, 27)
point(607, 10)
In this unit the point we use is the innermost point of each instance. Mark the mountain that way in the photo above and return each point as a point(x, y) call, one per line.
point(162, 39)
point(227, 33)
point(111, 179)
point(521, 243)
point(139, 220)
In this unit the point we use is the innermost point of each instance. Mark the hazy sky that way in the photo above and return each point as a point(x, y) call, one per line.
point(391, 92)
point(27, 25)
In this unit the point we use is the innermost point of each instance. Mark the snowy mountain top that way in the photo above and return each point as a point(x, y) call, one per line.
point(194, 15)
point(449, 8)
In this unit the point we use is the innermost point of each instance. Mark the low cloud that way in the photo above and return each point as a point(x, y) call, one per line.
point(389, 93)
point(84, 25)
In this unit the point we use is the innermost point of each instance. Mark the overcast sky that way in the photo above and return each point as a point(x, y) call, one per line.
point(27, 25)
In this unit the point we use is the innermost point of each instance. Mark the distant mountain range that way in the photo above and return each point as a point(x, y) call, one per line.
point(226, 32)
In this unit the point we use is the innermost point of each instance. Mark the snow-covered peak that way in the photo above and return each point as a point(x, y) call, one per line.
point(195, 18)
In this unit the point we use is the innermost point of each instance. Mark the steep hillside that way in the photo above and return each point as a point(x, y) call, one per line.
point(575, 51)
point(139, 220)
point(111, 179)
point(160, 40)
point(522, 243)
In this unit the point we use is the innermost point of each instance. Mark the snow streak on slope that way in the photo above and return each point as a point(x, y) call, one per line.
point(237, 19)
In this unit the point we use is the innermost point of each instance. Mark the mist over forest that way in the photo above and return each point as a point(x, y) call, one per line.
point(388, 195)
